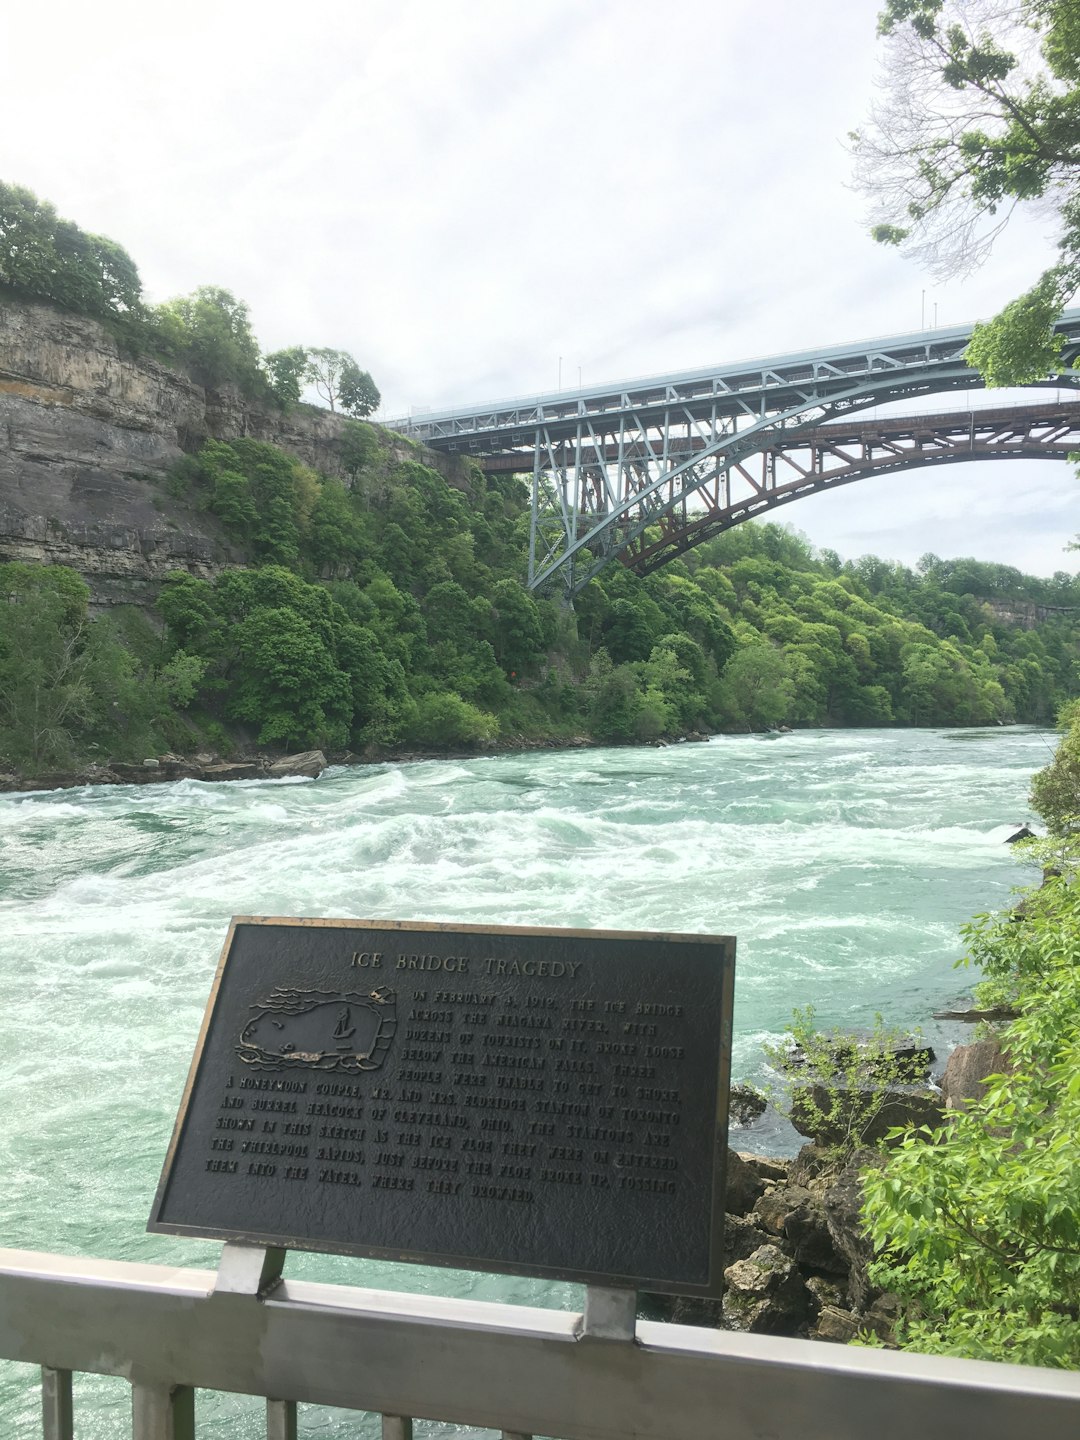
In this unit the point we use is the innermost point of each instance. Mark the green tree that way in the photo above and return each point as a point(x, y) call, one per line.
point(445, 721)
point(757, 685)
point(340, 382)
point(285, 680)
point(1055, 790)
point(209, 331)
point(978, 1231)
point(971, 126)
point(67, 684)
point(287, 370)
point(358, 392)
point(517, 630)
point(43, 257)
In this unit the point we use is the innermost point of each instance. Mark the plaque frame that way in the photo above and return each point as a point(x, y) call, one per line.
point(614, 1279)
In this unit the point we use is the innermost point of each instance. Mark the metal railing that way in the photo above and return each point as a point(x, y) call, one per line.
point(518, 1370)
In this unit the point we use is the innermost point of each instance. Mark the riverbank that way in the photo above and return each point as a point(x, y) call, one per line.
point(310, 763)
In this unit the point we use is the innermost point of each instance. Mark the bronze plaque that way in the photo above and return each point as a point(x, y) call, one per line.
point(539, 1102)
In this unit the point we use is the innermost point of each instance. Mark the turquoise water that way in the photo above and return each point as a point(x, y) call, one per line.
point(843, 861)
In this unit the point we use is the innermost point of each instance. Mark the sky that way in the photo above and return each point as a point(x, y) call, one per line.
point(481, 199)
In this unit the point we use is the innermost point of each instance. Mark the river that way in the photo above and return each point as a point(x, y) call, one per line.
point(843, 862)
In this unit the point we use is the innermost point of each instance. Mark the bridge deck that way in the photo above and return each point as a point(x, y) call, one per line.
point(726, 389)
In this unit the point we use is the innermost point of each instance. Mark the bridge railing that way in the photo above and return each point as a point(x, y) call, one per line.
point(517, 1370)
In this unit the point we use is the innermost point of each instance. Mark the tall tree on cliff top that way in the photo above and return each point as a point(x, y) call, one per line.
point(339, 381)
point(980, 114)
point(44, 257)
point(210, 331)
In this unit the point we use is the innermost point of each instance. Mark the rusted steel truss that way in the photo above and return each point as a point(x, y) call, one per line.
point(833, 455)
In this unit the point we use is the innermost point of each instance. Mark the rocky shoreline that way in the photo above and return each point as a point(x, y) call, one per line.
point(310, 763)
point(168, 768)
point(796, 1260)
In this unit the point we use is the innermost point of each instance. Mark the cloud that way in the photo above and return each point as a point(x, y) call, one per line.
point(463, 194)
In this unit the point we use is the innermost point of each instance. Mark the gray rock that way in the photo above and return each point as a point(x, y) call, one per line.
point(743, 1185)
point(769, 1167)
point(806, 1231)
point(859, 1117)
point(967, 1069)
point(975, 1016)
point(89, 433)
point(835, 1324)
point(823, 1291)
point(239, 771)
point(307, 762)
point(772, 1210)
point(742, 1237)
point(843, 1212)
point(745, 1105)
point(765, 1294)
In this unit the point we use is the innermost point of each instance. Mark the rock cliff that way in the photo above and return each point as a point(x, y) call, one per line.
point(87, 436)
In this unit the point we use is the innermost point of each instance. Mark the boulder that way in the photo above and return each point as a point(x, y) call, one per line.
point(859, 1115)
point(743, 1185)
point(823, 1291)
point(745, 1105)
point(765, 1294)
point(966, 1072)
point(772, 1210)
point(742, 1237)
point(769, 1167)
point(806, 1231)
point(836, 1324)
point(244, 770)
point(843, 1213)
point(308, 762)
point(814, 1168)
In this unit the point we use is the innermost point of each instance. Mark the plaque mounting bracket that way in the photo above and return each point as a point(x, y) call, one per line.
point(249, 1269)
point(610, 1314)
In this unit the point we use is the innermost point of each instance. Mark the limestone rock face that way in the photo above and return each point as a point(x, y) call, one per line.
point(88, 433)
point(86, 437)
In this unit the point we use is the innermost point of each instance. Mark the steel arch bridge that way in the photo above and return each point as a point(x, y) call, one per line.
point(643, 470)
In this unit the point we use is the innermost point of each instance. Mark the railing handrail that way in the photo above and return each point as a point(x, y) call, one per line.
point(511, 1368)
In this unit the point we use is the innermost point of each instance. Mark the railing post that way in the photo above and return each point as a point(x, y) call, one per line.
point(396, 1427)
point(56, 1413)
point(610, 1314)
point(162, 1412)
point(281, 1420)
point(249, 1270)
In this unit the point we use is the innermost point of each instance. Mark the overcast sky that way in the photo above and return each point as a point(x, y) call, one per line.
point(476, 197)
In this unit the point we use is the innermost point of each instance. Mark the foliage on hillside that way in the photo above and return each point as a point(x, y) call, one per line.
point(388, 613)
point(979, 1230)
point(48, 259)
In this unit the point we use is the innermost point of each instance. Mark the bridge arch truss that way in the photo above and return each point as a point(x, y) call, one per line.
point(641, 471)
point(833, 455)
